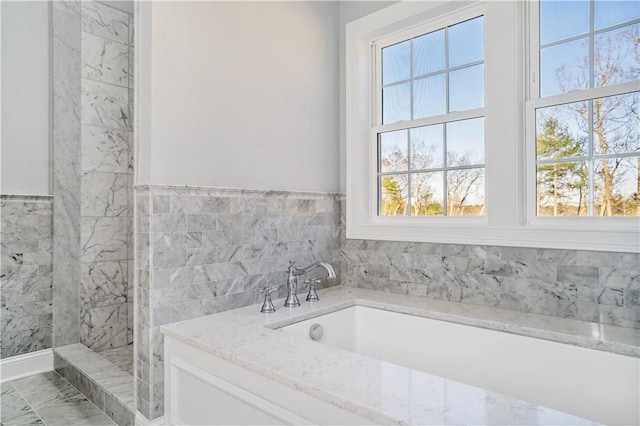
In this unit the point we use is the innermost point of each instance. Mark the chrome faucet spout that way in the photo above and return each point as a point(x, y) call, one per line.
point(330, 271)
point(292, 280)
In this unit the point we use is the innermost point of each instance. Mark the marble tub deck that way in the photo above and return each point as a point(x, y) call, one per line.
point(47, 399)
point(245, 338)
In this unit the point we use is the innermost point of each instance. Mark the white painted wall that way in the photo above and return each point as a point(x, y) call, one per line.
point(349, 11)
point(25, 143)
point(241, 94)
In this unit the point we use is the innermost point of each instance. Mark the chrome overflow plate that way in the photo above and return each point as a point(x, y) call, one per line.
point(316, 332)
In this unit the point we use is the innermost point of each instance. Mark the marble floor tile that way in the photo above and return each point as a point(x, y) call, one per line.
point(46, 389)
point(73, 413)
point(14, 409)
point(47, 399)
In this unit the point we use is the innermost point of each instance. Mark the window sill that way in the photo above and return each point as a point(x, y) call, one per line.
point(475, 232)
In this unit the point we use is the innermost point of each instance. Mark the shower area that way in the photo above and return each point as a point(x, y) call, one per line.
point(75, 243)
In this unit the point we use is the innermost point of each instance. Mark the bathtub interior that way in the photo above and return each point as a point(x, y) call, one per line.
point(600, 386)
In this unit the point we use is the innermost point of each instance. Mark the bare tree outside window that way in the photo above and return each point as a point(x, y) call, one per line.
point(588, 152)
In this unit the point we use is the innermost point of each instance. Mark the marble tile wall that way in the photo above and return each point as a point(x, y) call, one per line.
point(600, 287)
point(26, 269)
point(202, 251)
point(105, 177)
point(206, 250)
point(66, 171)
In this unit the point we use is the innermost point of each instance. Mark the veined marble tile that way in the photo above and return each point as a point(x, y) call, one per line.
point(580, 311)
point(105, 105)
point(587, 275)
point(46, 389)
point(104, 327)
point(105, 150)
point(66, 169)
point(620, 277)
point(168, 296)
point(188, 275)
point(185, 311)
point(161, 204)
point(104, 238)
point(186, 240)
point(608, 259)
point(105, 194)
point(105, 60)
point(169, 259)
point(632, 298)
point(105, 21)
point(66, 23)
point(78, 413)
point(601, 296)
point(104, 284)
point(623, 317)
point(131, 30)
point(15, 409)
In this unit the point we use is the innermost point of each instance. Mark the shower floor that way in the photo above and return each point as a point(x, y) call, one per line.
point(121, 357)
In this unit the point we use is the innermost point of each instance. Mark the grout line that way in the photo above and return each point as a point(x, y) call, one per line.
point(28, 403)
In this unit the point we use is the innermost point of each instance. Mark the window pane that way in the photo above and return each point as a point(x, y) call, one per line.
point(617, 187)
point(562, 19)
point(427, 147)
point(616, 124)
point(395, 62)
point(615, 56)
point(393, 151)
point(564, 67)
point(430, 96)
point(609, 12)
point(466, 42)
point(563, 189)
point(394, 195)
point(465, 192)
point(561, 131)
point(428, 53)
point(396, 103)
point(465, 142)
point(466, 88)
point(426, 194)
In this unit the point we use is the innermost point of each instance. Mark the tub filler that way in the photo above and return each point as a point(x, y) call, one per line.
point(365, 357)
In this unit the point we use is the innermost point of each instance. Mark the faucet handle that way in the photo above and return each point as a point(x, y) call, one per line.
point(312, 296)
point(267, 306)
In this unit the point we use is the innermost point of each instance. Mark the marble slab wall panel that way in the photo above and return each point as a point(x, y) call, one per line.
point(106, 178)
point(207, 250)
point(26, 274)
point(600, 287)
point(66, 171)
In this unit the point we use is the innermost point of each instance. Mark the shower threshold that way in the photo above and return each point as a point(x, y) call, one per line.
point(100, 377)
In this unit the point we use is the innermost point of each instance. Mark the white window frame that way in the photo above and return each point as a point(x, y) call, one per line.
point(448, 117)
point(535, 102)
point(506, 222)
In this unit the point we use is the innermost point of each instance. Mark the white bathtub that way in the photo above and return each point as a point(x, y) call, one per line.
point(600, 386)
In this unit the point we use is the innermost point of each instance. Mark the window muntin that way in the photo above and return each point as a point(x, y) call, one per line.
point(437, 169)
point(587, 138)
point(417, 166)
